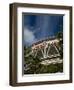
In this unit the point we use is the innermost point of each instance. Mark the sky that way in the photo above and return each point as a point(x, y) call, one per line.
point(38, 27)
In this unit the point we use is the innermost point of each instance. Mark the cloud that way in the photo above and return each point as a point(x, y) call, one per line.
point(29, 37)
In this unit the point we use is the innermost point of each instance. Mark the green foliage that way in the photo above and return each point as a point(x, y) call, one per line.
point(52, 68)
point(60, 38)
point(35, 67)
point(33, 64)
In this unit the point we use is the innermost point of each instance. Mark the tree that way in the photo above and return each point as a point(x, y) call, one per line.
point(32, 63)
point(60, 38)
